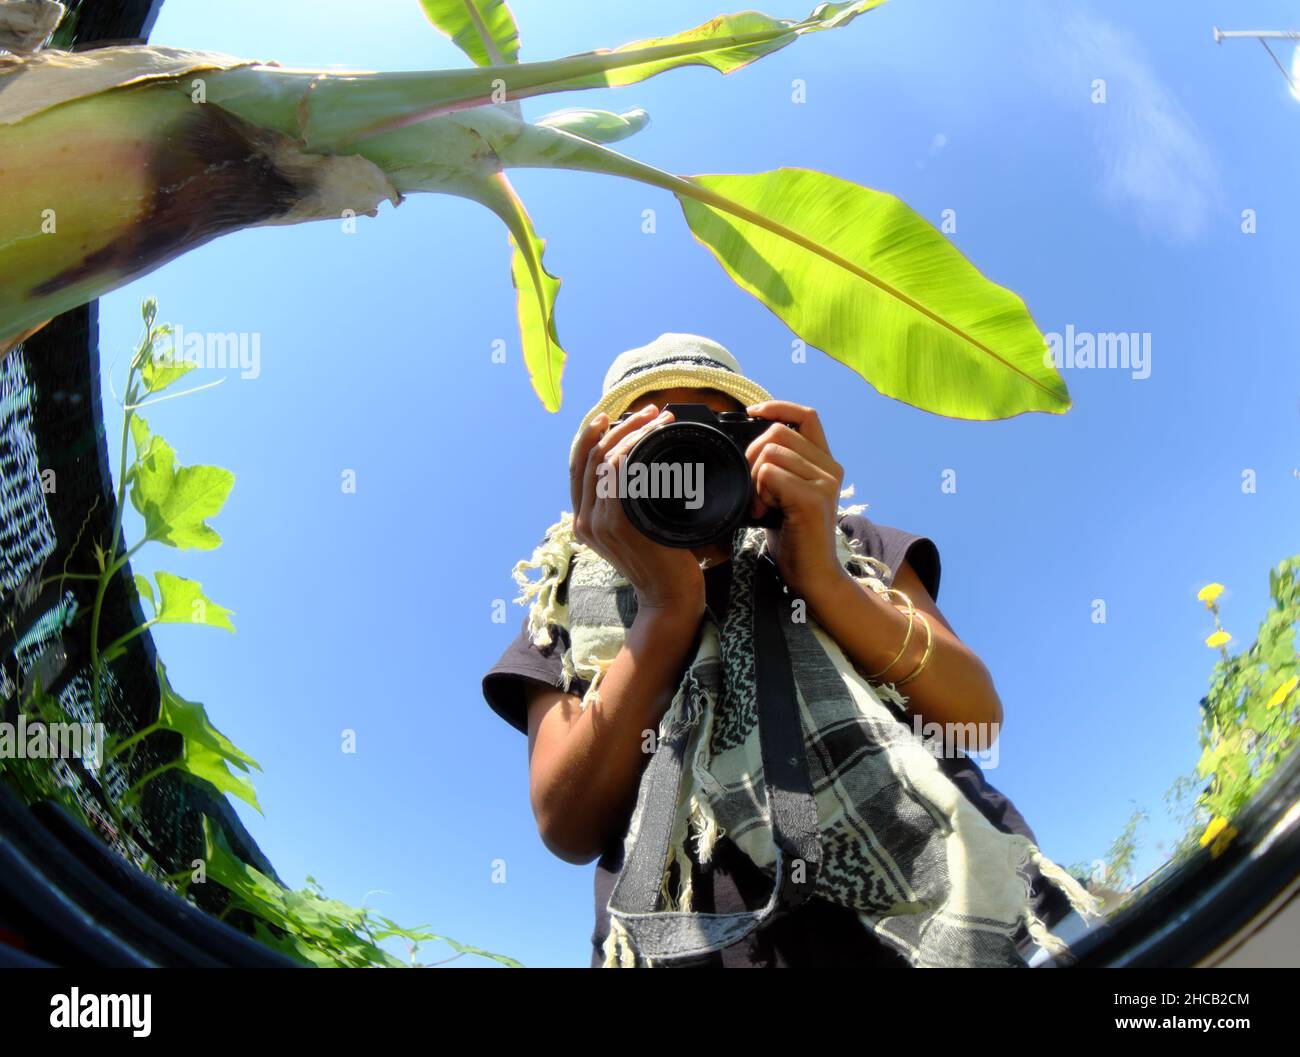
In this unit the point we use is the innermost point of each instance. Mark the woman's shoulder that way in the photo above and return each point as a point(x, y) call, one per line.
point(892, 546)
point(524, 663)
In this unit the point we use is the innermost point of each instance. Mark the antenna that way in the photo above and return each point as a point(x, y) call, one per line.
point(1220, 35)
point(1263, 36)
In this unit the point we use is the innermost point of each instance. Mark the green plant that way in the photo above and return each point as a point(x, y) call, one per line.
point(1114, 871)
point(34, 778)
point(1251, 716)
point(209, 144)
point(308, 926)
point(175, 503)
point(1250, 719)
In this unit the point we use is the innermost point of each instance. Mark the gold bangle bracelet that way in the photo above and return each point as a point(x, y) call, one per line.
point(925, 657)
point(911, 618)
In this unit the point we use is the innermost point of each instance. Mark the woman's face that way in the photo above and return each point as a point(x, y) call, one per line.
point(714, 398)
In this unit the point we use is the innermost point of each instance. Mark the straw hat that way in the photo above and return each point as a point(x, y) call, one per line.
point(671, 361)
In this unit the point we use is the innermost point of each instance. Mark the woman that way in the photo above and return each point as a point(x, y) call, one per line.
point(586, 763)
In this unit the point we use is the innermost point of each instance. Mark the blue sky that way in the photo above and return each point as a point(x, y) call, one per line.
point(372, 611)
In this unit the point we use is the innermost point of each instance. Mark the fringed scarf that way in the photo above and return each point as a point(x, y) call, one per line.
point(901, 845)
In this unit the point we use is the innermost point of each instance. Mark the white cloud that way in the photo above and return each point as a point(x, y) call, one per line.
point(936, 147)
point(1152, 159)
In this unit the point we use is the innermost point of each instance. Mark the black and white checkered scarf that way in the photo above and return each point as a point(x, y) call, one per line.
point(901, 845)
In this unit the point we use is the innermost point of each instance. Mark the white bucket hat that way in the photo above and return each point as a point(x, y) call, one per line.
point(671, 361)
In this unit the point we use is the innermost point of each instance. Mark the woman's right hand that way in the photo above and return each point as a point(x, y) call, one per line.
point(665, 578)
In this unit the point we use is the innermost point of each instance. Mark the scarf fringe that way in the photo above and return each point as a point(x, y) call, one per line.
point(891, 693)
point(871, 572)
point(1080, 899)
point(1085, 904)
point(679, 856)
point(703, 787)
point(618, 947)
point(707, 830)
point(856, 508)
point(1043, 936)
point(689, 706)
point(693, 709)
point(599, 666)
point(702, 781)
point(552, 557)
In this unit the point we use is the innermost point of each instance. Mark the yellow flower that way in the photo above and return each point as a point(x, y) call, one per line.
point(1219, 833)
point(1209, 594)
point(1218, 638)
point(1283, 691)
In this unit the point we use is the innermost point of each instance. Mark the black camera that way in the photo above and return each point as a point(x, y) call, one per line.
point(686, 483)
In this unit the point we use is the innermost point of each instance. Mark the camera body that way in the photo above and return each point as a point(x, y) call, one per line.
point(687, 482)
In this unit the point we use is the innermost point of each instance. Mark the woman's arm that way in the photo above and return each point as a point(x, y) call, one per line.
point(793, 470)
point(585, 766)
point(954, 687)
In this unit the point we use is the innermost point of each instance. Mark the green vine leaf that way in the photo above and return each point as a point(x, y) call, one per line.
point(140, 437)
point(422, 935)
point(182, 601)
point(289, 944)
point(202, 762)
point(255, 892)
point(176, 501)
point(307, 925)
point(190, 720)
point(161, 366)
point(145, 588)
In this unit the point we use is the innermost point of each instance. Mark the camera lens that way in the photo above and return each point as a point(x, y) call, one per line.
point(686, 484)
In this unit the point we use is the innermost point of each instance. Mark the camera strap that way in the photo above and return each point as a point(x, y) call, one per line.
point(666, 935)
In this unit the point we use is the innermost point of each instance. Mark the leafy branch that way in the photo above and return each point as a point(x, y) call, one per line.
point(175, 503)
point(851, 270)
point(311, 928)
point(1250, 719)
point(1251, 716)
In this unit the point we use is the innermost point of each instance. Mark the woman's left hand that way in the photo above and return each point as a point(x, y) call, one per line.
point(793, 471)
